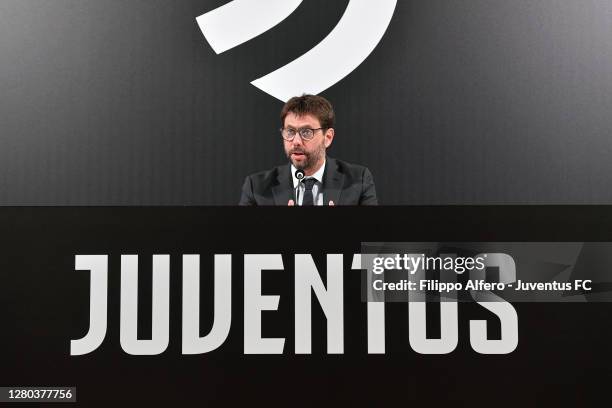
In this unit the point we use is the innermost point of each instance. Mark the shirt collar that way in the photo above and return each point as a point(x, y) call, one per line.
point(317, 176)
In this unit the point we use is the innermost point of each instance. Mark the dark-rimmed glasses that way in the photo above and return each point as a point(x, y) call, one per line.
point(305, 133)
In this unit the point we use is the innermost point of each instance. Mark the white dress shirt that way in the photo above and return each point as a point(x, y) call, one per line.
point(317, 188)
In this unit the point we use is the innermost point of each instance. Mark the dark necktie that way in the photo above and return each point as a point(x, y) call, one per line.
point(308, 198)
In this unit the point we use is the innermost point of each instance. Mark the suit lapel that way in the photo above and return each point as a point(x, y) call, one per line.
point(333, 181)
point(283, 190)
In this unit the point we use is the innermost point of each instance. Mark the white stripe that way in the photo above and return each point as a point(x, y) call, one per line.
point(357, 34)
point(242, 20)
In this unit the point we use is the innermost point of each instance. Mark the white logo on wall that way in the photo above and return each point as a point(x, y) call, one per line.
point(355, 36)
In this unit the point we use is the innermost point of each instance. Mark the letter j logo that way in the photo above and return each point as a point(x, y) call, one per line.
point(355, 36)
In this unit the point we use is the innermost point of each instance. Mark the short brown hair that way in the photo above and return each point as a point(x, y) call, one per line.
point(314, 105)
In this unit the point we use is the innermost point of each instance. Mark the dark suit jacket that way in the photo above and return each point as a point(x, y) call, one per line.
point(343, 183)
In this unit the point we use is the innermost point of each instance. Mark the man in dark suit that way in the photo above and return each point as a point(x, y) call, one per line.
point(311, 178)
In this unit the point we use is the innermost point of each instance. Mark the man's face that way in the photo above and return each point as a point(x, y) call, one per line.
point(307, 155)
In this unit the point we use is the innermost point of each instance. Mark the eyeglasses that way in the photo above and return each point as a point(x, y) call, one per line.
point(305, 133)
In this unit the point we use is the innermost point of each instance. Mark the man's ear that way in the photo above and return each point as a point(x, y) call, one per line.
point(329, 137)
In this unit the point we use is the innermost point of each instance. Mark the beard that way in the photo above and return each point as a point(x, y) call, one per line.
point(310, 160)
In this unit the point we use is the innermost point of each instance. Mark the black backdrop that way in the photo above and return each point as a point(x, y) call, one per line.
point(477, 101)
point(562, 358)
point(123, 102)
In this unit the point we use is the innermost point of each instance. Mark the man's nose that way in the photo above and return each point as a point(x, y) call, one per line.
point(297, 140)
